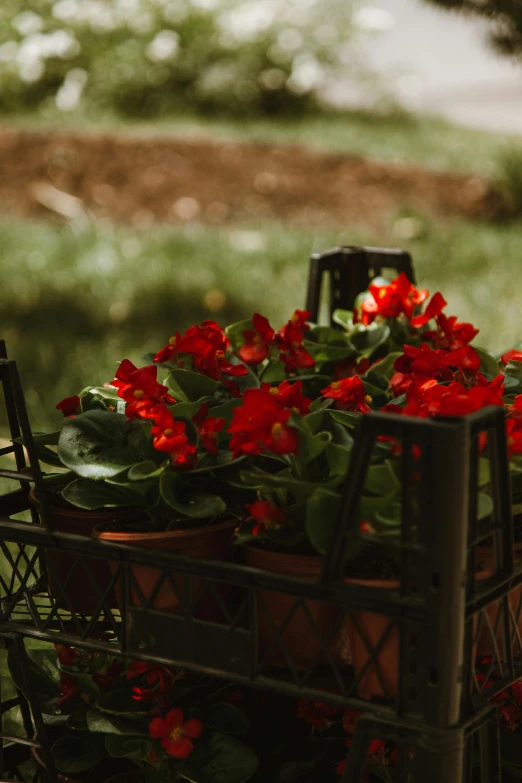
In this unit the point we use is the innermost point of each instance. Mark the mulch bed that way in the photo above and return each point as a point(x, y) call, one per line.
point(143, 181)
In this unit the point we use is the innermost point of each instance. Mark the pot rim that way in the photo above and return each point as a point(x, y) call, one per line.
point(121, 537)
point(388, 584)
point(283, 557)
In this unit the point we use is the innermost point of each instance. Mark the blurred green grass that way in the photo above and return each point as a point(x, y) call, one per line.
point(75, 302)
point(397, 136)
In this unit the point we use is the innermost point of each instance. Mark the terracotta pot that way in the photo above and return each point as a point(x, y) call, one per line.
point(212, 542)
point(80, 594)
point(482, 633)
point(373, 625)
point(299, 636)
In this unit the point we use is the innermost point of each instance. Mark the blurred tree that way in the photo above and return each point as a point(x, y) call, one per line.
point(505, 17)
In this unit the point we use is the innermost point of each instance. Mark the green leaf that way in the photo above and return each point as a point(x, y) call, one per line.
point(91, 495)
point(488, 365)
point(385, 366)
point(122, 747)
point(226, 718)
point(322, 510)
point(311, 446)
point(367, 339)
point(347, 418)
point(189, 386)
point(78, 752)
point(145, 470)
point(344, 318)
point(234, 332)
point(187, 410)
point(197, 507)
point(42, 672)
point(381, 480)
point(108, 724)
point(274, 372)
point(226, 410)
point(260, 479)
point(485, 505)
point(100, 444)
point(338, 458)
point(328, 352)
point(101, 398)
point(210, 462)
point(217, 758)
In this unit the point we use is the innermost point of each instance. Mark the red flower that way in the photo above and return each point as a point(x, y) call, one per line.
point(511, 716)
point(290, 339)
point(169, 352)
point(389, 301)
point(112, 675)
point(349, 394)
point(516, 690)
point(184, 459)
point(169, 435)
point(69, 689)
point(209, 431)
point(66, 655)
point(289, 395)
point(140, 389)
point(266, 515)
point(434, 308)
point(510, 356)
point(450, 334)
point(514, 436)
point(260, 425)
point(316, 713)
point(351, 366)
point(258, 341)
point(158, 679)
point(69, 406)
point(175, 734)
point(465, 359)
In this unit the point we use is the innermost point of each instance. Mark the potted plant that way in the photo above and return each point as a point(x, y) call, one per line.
point(157, 724)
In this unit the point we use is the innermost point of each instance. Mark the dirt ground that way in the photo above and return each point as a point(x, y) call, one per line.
point(143, 181)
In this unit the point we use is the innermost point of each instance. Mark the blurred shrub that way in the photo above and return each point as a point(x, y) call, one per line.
point(153, 56)
point(509, 175)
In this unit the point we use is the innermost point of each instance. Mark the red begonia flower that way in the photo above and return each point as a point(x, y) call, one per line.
point(66, 655)
point(349, 394)
point(465, 359)
point(266, 515)
point(155, 680)
point(316, 713)
point(69, 689)
point(390, 301)
point(169, 352)
point(69, 406)
point(257, 341)
point(184, 459)
point(209, 430)
point(140, 389)
point(349, 367)
point(434, 308)
point(260, 425)
point(176, 734)
point(112, 674)
point(169, 435)
point(290, 395)
point(510, 356)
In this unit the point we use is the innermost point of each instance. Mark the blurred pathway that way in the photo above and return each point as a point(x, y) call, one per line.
point(440, 62)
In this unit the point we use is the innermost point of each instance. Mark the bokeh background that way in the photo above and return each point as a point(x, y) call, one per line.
point(167, 161)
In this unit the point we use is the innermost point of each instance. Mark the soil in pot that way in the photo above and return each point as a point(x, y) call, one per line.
point(298, 635)
point(211, 542)
point(71, 581)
